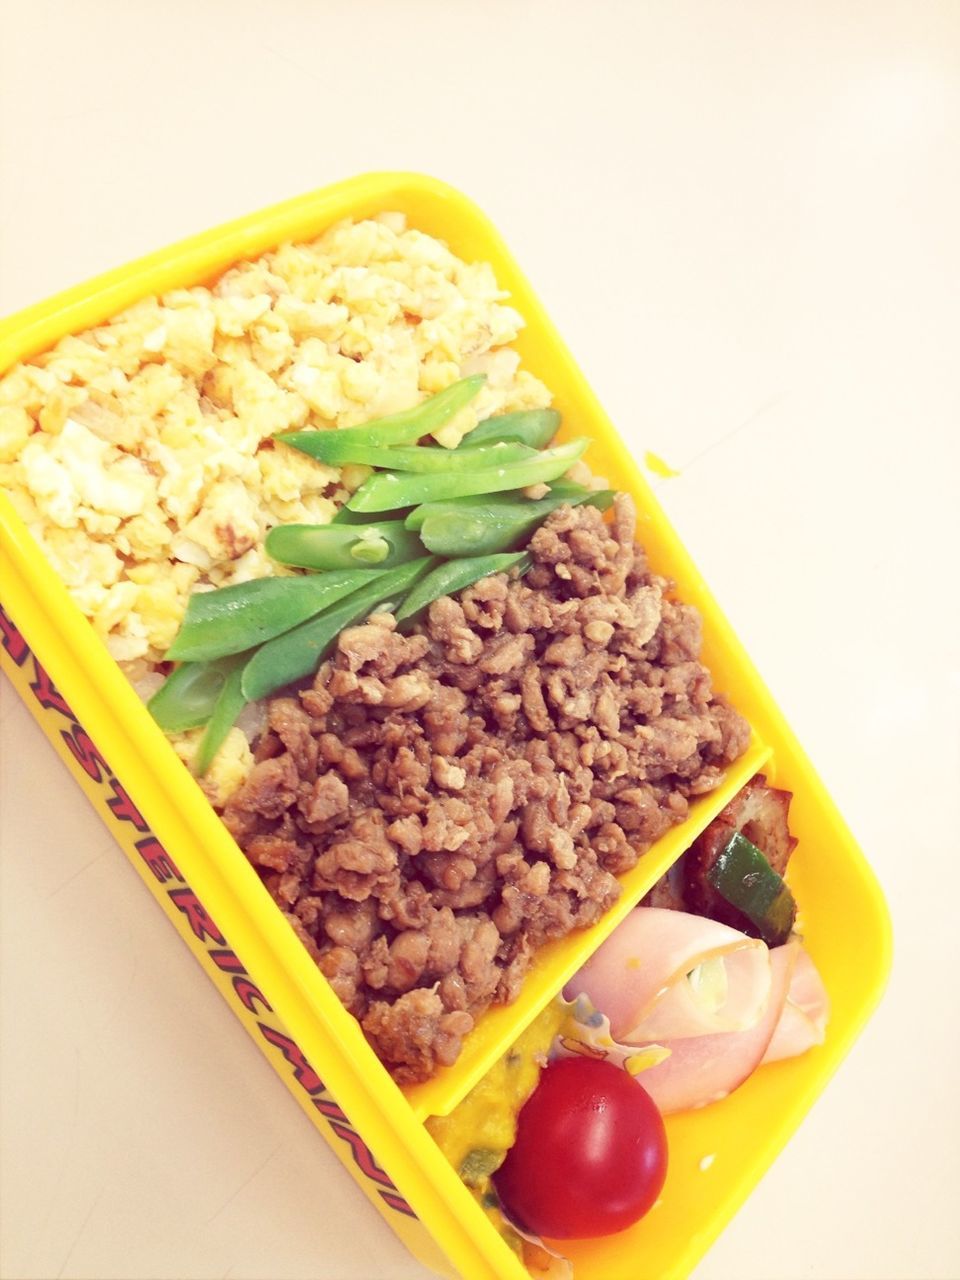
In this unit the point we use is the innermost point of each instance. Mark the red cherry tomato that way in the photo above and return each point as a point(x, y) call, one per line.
point(590, 1156)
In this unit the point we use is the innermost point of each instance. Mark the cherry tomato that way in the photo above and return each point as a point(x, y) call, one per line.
point(590, 1156)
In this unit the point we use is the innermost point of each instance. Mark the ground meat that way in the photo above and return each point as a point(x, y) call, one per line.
point(437, 806)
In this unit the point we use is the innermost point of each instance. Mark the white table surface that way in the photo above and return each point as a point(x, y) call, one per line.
point(745, 219)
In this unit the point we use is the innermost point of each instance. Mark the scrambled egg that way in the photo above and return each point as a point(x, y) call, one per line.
point(485, 1122)
point(139, 455)
point(476, 1136)
point(229, 767)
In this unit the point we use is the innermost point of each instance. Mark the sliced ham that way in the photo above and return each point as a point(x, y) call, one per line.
point(803, 1022)
point(640, 978)
point(692, 1007)
point(704, 1069)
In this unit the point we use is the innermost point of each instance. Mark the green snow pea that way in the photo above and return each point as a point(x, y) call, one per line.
point(300, 651)
point(346, 516)
point(453, 576)
point(423, 459)
point(238, 617)
point(386, 491)
point(485, 528)
point(228, 706)
point(406, 427)
point(533, 427)
point(188, 696)
point(569, 487)
point(496, 503)
point(380, 545)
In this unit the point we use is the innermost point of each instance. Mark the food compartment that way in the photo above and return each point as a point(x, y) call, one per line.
point(319, 1028)
point(556, 962)
point(719, 1151)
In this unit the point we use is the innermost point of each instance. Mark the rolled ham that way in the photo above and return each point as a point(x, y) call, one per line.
point(639, 978)
point(691, 1039)
point(803, 1022)
point(704, 1069)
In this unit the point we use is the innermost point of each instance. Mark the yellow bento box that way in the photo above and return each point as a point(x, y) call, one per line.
point(216, 901)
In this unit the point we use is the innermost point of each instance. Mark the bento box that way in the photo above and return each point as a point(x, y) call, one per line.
point(218, 904)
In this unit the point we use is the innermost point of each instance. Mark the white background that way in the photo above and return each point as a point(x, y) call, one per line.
point(745, 219)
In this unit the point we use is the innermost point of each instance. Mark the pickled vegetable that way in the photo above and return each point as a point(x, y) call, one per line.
point(744, 877)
